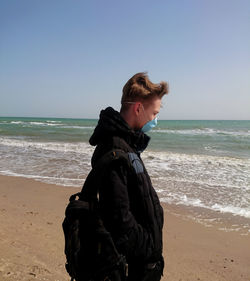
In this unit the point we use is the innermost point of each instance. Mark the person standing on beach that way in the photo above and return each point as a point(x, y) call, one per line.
point(129, 205)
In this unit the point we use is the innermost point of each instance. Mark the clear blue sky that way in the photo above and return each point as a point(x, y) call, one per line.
point(71, 58)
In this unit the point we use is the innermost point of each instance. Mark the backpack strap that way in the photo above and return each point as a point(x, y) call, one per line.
point(90, 189)
point(109, 157)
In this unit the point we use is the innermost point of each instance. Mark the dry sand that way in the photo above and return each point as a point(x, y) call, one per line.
point(32, 242)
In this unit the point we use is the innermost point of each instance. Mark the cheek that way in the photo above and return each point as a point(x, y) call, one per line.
point(141, 122)
point(153, 116)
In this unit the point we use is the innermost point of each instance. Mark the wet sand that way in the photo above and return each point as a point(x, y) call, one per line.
point(32, 242)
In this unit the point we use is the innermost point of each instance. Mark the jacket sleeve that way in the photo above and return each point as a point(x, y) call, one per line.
point(131, 238)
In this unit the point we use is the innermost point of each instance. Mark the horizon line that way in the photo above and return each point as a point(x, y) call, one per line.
point(82, 118)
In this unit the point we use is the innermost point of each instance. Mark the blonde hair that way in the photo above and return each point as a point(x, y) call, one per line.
point(140, 88)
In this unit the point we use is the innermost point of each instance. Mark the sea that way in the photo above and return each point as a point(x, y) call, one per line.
point(201, 167)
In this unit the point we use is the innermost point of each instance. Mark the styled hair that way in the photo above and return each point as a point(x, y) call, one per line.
point(140, 88)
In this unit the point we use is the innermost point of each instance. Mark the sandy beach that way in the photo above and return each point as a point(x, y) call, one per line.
point(32, 242)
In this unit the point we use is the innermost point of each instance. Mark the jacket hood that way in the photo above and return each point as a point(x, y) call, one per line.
point(112, 124)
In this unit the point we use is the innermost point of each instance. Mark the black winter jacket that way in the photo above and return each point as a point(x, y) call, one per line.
point(129, 205)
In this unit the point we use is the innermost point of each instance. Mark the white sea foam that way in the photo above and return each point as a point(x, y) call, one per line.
point(78, 127)
point(35, 123)
point(10, 173)
point(55, 124)
point(194, 202)
point(245, 212)
point(51, 162)
point(51, 180)
point(41, 124)
point(17, 122)
point(203, 169)
point(205, 131)
point(52, 121)
point(201, 180)
point(217, 183)
point(79, 147)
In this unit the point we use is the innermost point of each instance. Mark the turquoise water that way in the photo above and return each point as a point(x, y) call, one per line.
point(47, 129)
point(228, 138)
point(202, 164)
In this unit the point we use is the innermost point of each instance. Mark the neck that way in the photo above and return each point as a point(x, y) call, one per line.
point(127, 116)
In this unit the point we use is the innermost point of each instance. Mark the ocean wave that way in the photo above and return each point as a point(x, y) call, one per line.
point(47, 179)
point(51, 121)
point(165, 156)
point(245, 212)
point(17, 122)
point(33, 123)
point(193, 180)
point(194, 202)
point(43, 124)
point(78, 127)
point(212, 171)
point(46, 123)
point(30, 123)
point(205, 131)
point(38, 123)
point(79, 147)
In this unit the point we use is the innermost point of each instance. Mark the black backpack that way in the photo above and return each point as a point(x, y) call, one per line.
point(89, 248)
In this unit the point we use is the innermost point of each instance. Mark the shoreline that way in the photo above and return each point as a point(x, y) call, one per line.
point(224, 221)
point(32, 242)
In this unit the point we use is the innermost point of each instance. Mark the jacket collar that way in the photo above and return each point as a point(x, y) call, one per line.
point(112, 124)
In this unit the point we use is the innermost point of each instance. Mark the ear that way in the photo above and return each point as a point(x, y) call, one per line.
point(136, 108)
